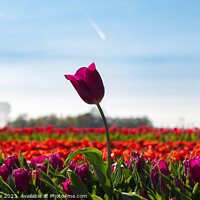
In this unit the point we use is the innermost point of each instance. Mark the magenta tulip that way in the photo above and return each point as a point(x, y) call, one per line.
point(4, 172)
point(82, 171)
point(56, 161)
point(21, 178)
point(11, 163)
point(88, 84)
point(155, 176)
point(194, 168)
point(66, 187)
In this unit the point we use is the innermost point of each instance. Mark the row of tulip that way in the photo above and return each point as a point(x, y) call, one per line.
point(178, 150)
point(136, 178)
point(112, 129)
point(44, 133)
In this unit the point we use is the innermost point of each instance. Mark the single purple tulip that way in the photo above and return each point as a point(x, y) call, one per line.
point(88, 84)
point(66, 187)
point(140, 163)
point(56, 161)
point(186, 169)
point(155, 176)
point(163, 168)
point(11, 163)
point(144, 194)
point(21, 178)
point(82, 171)
point(4, 172)
point(194, 168)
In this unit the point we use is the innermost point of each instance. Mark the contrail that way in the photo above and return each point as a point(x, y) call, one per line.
point(93, 24)
point(97, 29)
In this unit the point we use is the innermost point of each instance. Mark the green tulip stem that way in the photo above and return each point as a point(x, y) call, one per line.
point(108, 140)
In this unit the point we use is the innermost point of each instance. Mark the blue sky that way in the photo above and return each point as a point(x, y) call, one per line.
point(147, 52)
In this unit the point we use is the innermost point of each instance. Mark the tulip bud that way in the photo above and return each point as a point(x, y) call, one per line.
point(82, 171)
point(88, 83)
point(140, 163)
point(21, 178)
point(66, 187)
point(4, 172)
point(11, 163)
point(155, 176)
point(194, 168)
point(56, 161)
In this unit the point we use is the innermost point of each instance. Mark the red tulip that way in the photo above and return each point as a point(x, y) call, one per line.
point(88, 84)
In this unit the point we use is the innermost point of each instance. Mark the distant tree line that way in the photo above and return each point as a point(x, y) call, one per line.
point(81, 121)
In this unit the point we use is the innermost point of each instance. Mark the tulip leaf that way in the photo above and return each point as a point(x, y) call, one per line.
point(94, 197)
point(46, 176)
point(74, 181)
point(132, 196)
point(52, 188)
point(196, 190)
point(101, 168)
point(149, 189)
point(178, 192)
point(7, 188)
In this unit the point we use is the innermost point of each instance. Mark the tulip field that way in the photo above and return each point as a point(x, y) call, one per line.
point(147, 163)
point(178, 144)
point(99, 163)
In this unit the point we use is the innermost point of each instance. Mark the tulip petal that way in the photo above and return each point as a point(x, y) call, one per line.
point(92, 67)
point(81, 74)
point(94, 82)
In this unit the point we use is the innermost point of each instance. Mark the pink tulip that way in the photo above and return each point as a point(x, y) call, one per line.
point(88, 84)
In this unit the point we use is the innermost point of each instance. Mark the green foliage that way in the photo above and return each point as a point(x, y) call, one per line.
point(101, 168)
